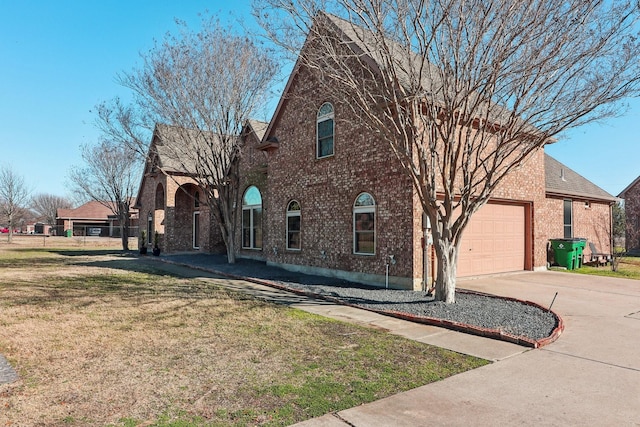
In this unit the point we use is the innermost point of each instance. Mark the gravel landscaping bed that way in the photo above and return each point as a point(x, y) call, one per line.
point(509, 316)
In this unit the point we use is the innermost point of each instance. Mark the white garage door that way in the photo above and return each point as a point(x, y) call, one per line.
point(493, 242)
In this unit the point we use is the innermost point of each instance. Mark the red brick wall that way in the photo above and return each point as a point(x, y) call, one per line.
point(327, 189)
point(253, 172)
point(175, 221)
point(592, 223)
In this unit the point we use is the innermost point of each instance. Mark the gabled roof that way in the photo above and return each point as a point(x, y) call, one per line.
point(172, 150)
point(173, 147)
point(407, 67)
point(562, 181)
point(623, 193)
point(258, 127)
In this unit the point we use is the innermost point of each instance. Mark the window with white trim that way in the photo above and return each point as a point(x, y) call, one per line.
point(364, 225)
point(568, 219)
point(252, 219)
point(325, 130)
point(294, 226)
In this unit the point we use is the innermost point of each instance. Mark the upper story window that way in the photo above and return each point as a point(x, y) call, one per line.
point(252, 219)
point(364, 225)
point(196, 200)
point(293, 226)
point(325, 129)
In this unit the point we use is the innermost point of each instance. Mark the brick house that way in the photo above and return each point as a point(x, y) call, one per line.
point(631, 196)
point(92, 219)
point(170, 201)
point(338, 203)
point(323, 195)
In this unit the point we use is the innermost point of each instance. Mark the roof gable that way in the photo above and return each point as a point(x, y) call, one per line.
point(623, 193)
point(90, 210)
point(561, 180)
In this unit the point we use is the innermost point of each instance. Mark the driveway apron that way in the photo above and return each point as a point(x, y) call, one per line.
point(589, 377)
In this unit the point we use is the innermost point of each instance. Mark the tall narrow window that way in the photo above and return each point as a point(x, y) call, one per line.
point(196, 220)
point(324, 143)
point(196, 230)
point(293, 226)
point(568, 219)
point(159, 197)
point(364, 225)
point(252, 219)
point(149, 227)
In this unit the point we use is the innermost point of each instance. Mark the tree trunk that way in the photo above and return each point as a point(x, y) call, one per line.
point(124, 227)
point(447, 254)
point(124, 236)
point(10, 236)
point(230, 242)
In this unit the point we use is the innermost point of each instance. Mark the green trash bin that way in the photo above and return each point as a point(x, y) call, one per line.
point(69, 233)
point(568, 252)
point(579, 245)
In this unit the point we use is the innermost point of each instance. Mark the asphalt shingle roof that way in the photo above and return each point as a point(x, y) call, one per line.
point(561, 180)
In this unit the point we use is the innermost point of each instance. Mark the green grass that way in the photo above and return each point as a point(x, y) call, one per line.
point(628, 268)
point(110, 334)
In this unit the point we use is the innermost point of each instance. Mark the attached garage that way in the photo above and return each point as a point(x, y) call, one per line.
point(494, 241)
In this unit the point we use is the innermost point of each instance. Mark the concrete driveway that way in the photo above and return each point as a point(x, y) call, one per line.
point(589, 377)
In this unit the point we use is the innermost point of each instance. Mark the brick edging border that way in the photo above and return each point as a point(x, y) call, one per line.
point(447, 324)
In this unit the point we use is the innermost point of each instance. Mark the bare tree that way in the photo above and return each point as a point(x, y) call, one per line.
point(206, 85)
point(125, 124)
point(45, 206)
point(464, 91)
point(618, 226)
point(110, 176)
point(14, 196)
point(632, 221)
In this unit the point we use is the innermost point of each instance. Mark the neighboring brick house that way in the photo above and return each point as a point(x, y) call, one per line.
point(323, 195)
point(92, 219)
point(171, 202)
point(631, 196)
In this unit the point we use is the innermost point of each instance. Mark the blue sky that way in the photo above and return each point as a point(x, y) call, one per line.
point(58, 59)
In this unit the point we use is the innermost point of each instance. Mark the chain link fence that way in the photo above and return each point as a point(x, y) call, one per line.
point(91, 231)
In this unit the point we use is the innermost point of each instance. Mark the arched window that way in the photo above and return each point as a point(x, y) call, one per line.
point(293, 226)
point(159, 197)
point(325, 129)
point(364, 225)
point(252, 219)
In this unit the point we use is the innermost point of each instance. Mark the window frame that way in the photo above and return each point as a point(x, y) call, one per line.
point(322, 117)
point(567, 228)
point(195, 225)
point(255, 227)
point(294, 213)
point(359, 210)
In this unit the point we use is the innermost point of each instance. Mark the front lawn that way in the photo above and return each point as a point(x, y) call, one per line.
point(99, 338)
point(628, 268)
